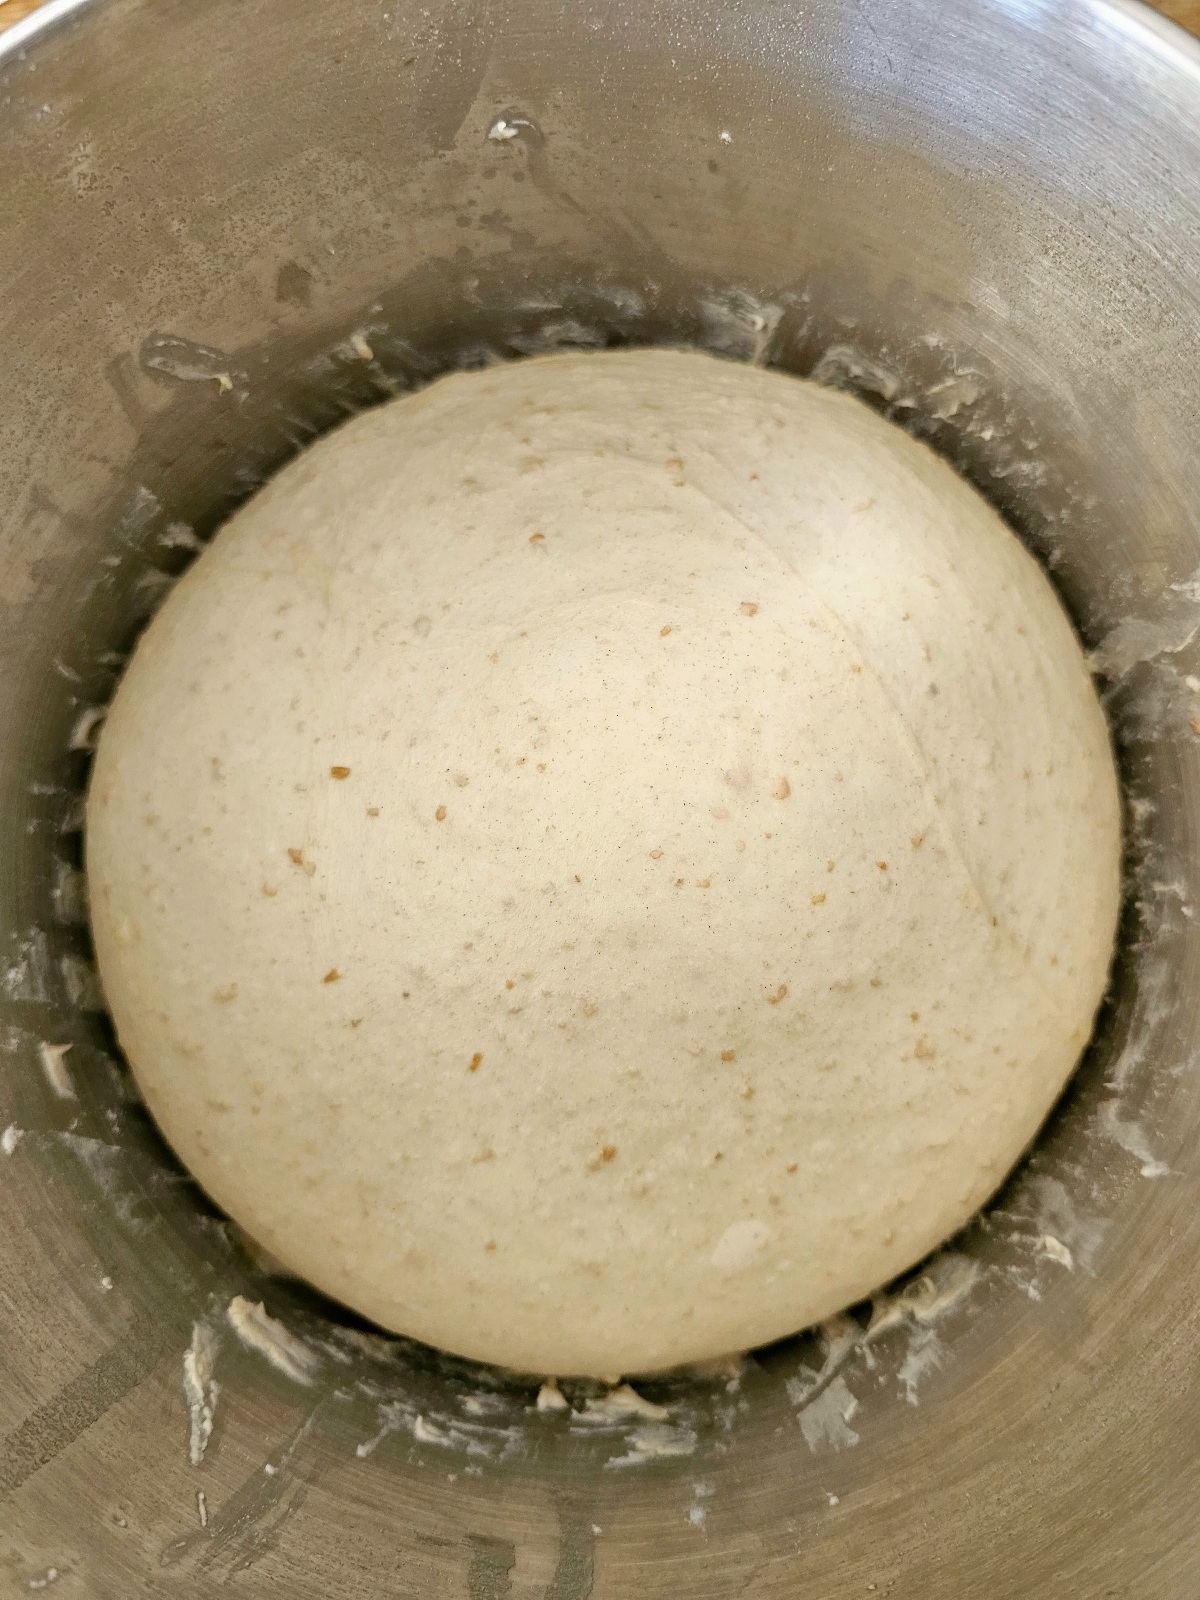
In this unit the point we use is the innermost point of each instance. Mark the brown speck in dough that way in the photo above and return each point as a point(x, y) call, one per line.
point(664, 631)
point(876, 982)
point(461, 780)
point(372, 811)
point(679, 882)
point(718, 813)
point(541, 766)
point(914, 1016)
point(270, 891)
point(578, 879)
point(792, 1165)
point(332, 976)
point(656, 855)
point(773, 1199)
point(476, 1061)
point(509, 983)
point(829, 866)
point(704, 883)
point(780, 994)
point(218, 769)
point(718, 1155)
point(224, 996)
point(486, 1154)
point(748, 608)
point(341, 773)
point(589, 1008)
point(855, 667)
point(440, 814)
point(490, 1245)
point(917, 840)
point(748, 1092)
point(818, 899)
point(1194, 724)
point(608, 1153)
point(864, 505)
point(537, 538)
point(923, 1050)
point(728, 1055)
point(882, 865)
point(299, 859)
point(421, 627)
point(356, 1022)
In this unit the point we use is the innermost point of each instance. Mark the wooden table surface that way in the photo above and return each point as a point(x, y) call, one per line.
point(1186, 12)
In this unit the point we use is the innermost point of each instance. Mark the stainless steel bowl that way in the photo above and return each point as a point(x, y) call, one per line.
point(224, 225)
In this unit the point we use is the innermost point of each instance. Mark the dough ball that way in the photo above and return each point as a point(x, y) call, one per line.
point(606, 860)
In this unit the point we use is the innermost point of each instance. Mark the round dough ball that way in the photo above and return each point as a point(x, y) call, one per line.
point(606, 860)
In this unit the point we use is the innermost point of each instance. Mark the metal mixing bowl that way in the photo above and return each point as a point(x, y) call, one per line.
point(226, 224)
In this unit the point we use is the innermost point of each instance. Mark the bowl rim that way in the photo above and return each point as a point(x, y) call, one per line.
point(1169, 39)
point(42, 20)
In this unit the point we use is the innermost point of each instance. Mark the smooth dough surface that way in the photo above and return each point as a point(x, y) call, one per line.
point(606, 860)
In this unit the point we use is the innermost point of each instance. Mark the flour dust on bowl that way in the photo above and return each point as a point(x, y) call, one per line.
point(961, 219)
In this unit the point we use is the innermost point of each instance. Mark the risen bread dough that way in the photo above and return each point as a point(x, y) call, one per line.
point(606, 860)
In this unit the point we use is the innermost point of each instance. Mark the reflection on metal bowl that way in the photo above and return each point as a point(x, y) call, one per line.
point(228, 225)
